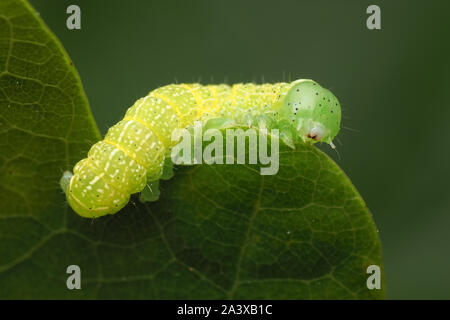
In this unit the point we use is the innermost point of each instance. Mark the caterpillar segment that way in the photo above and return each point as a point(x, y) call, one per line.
point(133, 151)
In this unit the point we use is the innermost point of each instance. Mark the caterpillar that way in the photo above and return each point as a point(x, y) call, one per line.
point(133, 152)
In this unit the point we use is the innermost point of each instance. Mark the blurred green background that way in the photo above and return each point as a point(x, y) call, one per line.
point(392, 84)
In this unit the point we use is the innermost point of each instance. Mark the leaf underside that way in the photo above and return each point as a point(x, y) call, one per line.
point(221, 231)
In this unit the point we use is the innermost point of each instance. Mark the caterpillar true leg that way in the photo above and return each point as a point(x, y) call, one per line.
point(132, 155)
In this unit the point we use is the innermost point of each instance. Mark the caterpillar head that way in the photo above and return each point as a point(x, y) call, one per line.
point(313, 110)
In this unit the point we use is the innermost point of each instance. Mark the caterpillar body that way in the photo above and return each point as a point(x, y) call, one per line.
point(133, 151)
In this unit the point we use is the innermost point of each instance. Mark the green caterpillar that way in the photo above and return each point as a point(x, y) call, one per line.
point(133, 151)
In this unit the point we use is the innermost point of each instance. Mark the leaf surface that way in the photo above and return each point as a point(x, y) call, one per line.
point(221, 231)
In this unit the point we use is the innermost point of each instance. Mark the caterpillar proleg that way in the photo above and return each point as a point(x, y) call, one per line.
point(133, 151)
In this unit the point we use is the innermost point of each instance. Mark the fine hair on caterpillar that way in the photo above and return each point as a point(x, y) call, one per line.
point(136, 152)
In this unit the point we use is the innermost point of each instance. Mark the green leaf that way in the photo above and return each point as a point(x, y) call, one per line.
point(221, 231)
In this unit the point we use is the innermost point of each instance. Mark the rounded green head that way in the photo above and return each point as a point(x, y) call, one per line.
point(313, 110)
